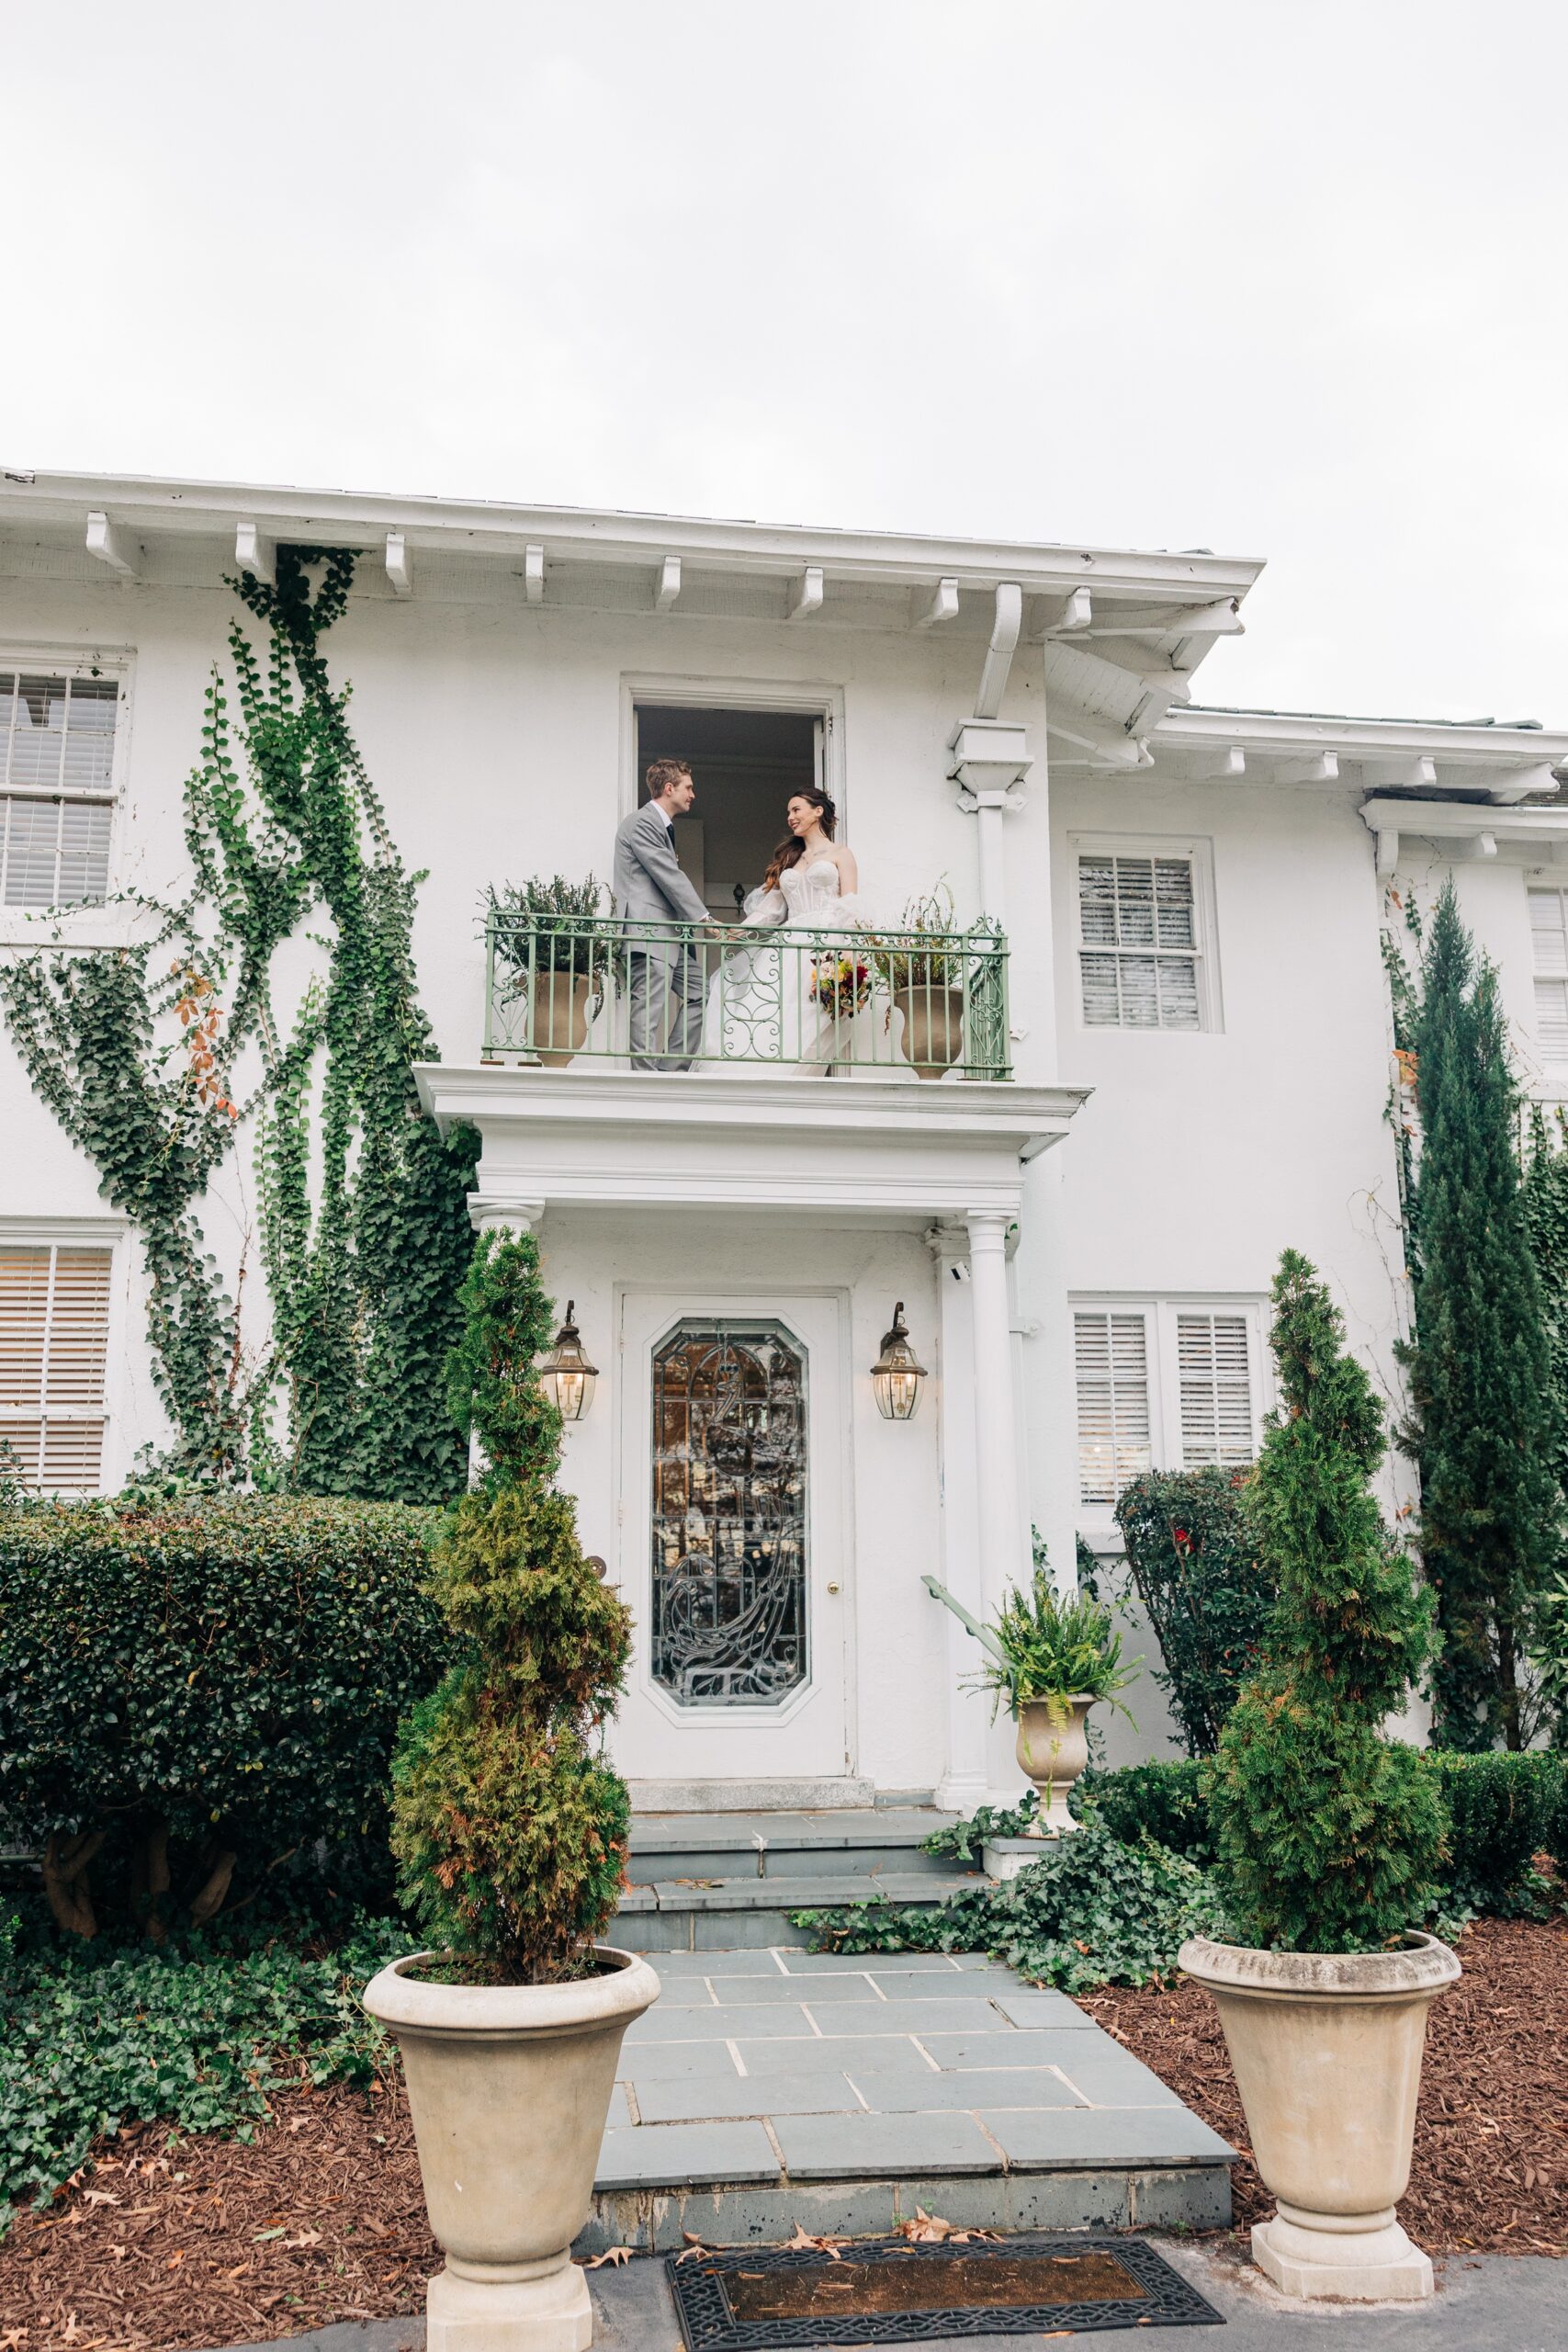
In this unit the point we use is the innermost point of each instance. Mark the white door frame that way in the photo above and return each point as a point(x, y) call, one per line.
point(812, 1734)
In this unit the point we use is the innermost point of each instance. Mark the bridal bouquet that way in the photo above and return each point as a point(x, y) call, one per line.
point(841, 984)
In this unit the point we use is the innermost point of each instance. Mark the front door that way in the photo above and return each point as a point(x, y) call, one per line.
point(733, 1506)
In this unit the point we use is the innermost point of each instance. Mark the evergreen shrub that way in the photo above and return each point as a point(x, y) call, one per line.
point(510, 1828)
point(1164, 1801)
point(1194, 1565)
point(1484, 1423)
point(1329, 1836)
point(1499, 1808)
point(192, 1691)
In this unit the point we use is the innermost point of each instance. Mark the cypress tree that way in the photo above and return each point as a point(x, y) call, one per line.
point(1327, 1833)
point(1482, 1425)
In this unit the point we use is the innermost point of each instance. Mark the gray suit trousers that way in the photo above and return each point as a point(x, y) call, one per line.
point(669, 989)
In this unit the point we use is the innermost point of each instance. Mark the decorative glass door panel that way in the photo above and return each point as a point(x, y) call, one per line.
point(730, 1579)
point(733, 1546)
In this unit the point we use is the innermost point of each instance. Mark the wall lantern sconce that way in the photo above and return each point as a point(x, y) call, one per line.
point(897, 1375)
point(567, 1375)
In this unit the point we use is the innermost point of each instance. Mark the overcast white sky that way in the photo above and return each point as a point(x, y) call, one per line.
point(1279, 278)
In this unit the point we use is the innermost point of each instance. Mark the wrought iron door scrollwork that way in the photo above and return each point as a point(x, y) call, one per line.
point(729, 1526)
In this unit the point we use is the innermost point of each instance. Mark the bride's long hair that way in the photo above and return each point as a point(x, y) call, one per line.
point(792, 849)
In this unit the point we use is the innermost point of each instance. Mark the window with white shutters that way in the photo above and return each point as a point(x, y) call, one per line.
point(1111, 1352)
point(1549, 942)
point(55, 1309)
point(57, 738)
point(1215, 1379)
point(1139, 945)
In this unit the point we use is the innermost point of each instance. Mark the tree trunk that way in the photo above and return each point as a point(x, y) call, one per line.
point(65, 1881)
point(209, 1901)
point(150, 1877)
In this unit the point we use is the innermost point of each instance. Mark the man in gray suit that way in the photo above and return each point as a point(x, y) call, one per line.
point(669, 970)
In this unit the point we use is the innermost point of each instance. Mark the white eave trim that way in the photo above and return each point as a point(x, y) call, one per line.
point(1507, 763)
point(142, 505)
point(1474, 831)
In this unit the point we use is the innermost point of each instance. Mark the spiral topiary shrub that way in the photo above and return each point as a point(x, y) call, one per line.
point(509, 1826)
point(1329, 1836)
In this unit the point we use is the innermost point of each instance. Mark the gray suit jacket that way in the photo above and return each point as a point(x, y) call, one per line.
point(648, 884)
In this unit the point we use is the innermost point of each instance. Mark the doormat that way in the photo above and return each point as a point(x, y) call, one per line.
point(885, 2290)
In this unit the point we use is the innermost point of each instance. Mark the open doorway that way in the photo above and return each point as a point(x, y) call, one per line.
point(745, 764)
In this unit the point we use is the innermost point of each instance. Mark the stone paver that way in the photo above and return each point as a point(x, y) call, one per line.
point(787, 2068)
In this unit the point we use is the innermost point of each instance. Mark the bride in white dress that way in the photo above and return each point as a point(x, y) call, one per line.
point(795, 1003)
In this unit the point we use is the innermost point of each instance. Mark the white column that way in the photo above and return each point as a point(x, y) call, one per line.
point(989, 761)
point(965, 1784)
point(1002, 1559)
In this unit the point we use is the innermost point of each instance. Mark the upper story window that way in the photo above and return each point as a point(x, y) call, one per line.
point(57, 748)
point(1163, 1384)
point(1548, 943)
point(1144, 930)
point(54, 1318)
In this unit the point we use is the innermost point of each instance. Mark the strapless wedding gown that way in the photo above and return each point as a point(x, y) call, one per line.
point(790, 1005)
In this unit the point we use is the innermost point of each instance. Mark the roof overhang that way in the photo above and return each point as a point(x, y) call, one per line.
point(1501, 765)
point(1464, 830)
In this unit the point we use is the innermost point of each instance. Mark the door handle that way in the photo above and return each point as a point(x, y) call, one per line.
point(832, 1588)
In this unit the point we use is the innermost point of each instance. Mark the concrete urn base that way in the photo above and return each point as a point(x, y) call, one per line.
point(509, 2087)
point(1326, 2051)
point(1051, 1748)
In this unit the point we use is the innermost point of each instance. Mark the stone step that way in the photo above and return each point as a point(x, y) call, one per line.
point(710, 1912)
point(860, 1842)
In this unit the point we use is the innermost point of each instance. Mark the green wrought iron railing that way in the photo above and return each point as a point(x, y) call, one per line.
point(560, 989)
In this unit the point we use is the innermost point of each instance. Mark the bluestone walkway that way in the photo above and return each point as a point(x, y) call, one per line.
point(769, 2086)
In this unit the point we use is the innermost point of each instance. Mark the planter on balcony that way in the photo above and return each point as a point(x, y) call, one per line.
point(560, 1017)
point(933, 1028)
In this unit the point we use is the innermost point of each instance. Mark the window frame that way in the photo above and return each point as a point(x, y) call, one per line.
point(56, 660)
point(89, 1233)
point(1199, 851)
point(1545, 879)
point(1160, 1311)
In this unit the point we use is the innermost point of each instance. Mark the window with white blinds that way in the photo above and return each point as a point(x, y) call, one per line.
point(1166, 1384)
point(1215, 1376)
point(1111, 1356)
point(1139, 947)
point(57, 736)
point(1549, 942)
point(54, 1313)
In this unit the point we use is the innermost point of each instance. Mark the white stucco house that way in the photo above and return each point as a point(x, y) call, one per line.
point(1166, 1050)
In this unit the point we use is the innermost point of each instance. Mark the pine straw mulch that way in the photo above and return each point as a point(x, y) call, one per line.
point(1491, 2166)
point(320, 2218)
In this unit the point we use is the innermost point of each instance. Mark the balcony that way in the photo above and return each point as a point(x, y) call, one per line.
point(563, 988)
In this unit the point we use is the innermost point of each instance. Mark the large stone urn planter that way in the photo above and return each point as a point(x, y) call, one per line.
point(560, 1017)
point(933, 1028)
point(1051, 1748)
point(1327, 2053)
point(509, 2087)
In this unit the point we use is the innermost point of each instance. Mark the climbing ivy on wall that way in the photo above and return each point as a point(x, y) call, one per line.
point(364, 1230)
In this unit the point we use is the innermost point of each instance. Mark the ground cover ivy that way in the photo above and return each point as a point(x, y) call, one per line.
point(197, 2037)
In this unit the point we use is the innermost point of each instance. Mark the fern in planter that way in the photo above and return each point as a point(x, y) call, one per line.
point(508, 1827)
point(1329, 1836)
point(1054, 1648)
point(540, 928)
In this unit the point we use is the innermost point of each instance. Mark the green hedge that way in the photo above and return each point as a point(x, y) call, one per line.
point(1193, 1565)
point(1503, 1810)
point(229, 1674)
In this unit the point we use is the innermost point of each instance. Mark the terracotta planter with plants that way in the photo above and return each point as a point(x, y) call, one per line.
point(560, 1017)
point(1327, 1837)
point(1051, 1748)
point(1327, 2053)
point(508, 2085)
point(510, 1831)
point(933, 1028)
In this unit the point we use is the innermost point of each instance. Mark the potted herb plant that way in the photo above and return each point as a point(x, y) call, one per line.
point(926, 984)
point(546, 940)
point(1328, 1837)
point(1051, 1659)
point(509, 1830)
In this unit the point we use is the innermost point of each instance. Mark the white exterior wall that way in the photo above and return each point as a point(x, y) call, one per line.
point(499, 737)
